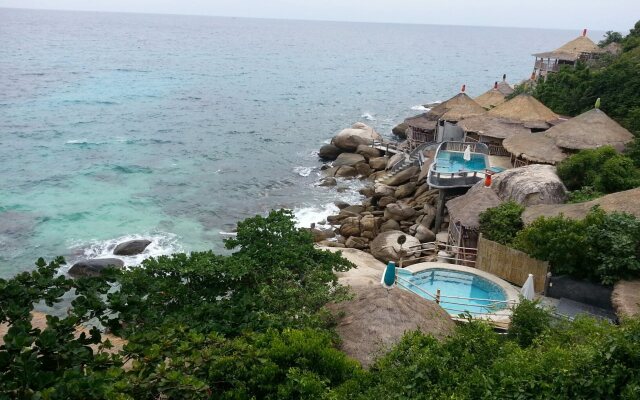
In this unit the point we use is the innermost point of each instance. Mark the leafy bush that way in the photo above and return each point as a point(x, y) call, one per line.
point(602, 247)
point(602, 169)
point(501, 223)
point(585, 193)
point(528, 322)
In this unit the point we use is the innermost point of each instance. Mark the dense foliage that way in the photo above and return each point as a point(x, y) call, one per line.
point(602, 169)
point(501, 223)
point(572, 91)
point(602, 247)
point(182, 344)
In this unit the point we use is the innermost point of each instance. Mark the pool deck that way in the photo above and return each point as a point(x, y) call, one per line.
point(500, 318)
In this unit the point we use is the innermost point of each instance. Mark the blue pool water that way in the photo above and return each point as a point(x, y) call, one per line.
point(453, 161)
point(480, 295)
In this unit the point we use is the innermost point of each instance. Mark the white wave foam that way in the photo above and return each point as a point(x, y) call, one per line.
point(223, 233)
point(305, 216)
point(303, 171)
point(77, 141)
point(420, 108)
point(162, 243)
point(368, 116)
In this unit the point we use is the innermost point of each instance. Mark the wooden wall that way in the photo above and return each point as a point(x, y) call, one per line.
point(511, 265)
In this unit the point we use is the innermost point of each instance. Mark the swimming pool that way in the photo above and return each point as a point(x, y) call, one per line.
point(453, 161)
point(460, 291)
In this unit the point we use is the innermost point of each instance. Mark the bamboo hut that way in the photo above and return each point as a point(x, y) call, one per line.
point(590, 130)
point(535, 148)
point(438, 124)
point(491, 98)
point(526, 110)
point(464, 215)
point(491, 131)
point(579, 49)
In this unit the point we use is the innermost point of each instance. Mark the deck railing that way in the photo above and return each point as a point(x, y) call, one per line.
point(448, 303)
point(498, 150)
point(417, 137)
point(457, 254)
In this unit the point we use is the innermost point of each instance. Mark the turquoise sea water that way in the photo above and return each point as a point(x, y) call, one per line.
point(115, 126)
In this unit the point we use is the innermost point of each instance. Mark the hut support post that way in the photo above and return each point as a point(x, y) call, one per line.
point(438, 296)
point(440, 209)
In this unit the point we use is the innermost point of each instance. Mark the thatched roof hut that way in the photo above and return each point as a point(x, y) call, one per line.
point(491, 98)
point(573, 50)
point(590, 130)
point(525, 109)
point(377, 318)
point(423, 122)
point(626, 298)
point(505, 88)
point(466, 209)
point(456, 109)
point(627, 201)
point(535, 147)
point(485, 125)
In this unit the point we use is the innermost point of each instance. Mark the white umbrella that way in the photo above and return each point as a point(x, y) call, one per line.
point(467, 153)
point(527, 290)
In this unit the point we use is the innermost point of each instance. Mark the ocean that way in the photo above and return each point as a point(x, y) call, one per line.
point(118, 126)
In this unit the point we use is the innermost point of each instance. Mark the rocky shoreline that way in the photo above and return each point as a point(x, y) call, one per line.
point(394, 205)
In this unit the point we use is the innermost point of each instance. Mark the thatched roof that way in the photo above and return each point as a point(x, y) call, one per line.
point(423, 122)
point(572, 50)
point(490, 99)
point(627, 201)
point(626, 298)
point(505, 88)
point(590, 130)
point(534, 147)
point(377, 318)
point(493, 127)
point(456, 108)
point(525, 109)
point(466, 209)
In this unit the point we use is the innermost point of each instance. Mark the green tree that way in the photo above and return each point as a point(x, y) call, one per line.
point(610, 37)
point(528, 322)
point(501, 223)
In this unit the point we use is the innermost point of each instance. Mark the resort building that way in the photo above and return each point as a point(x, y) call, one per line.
point(519, 116)
point(579, 49)
point(439, 124)
point(464, 215)
point(588, 130)
point(491, 98)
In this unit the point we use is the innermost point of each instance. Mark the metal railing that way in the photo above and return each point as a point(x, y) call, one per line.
point(446, 302)
point(498, 150)
point(457, 254)
point(441, 180)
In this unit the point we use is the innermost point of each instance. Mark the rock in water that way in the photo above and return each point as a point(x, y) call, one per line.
point(329, 152)
point(400, 130)
point(94, 267)
point(350, 159)
point(359, 133)
point(131, 247)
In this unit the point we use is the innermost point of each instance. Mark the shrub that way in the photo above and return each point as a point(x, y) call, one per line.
point(586, 193)
point(528, 322)
point(501, 223)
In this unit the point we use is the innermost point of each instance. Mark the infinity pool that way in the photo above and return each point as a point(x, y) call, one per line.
point(460, 291)
point(453, 161)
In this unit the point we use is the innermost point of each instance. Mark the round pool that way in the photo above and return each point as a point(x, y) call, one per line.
point(462, 289)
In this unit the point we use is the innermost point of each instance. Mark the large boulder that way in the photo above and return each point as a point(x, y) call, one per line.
point(354, 242)
point(424, 234)
point(328, 181)
point(350, 159)
point(94, 267)
point(403, 176)
point(349, 139)
point(405, 190)
point(530, 185)
point(378, 163)
point(390, 225)
point(346, 171)
point(368, 152)
point(385, 246)
point(329, 152)
point(394, 159)
point(320, 235)
point(364, 169)
point(385, 201)
point(399, 212)
point(400, 130)
point(381, 190)
point(350, 227)
point(131, 247)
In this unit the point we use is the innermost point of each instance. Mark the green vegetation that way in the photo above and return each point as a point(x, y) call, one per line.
point(602, 169)
point(602, 247)
point(252, 325)
point(572, 91)
point(501, 223)
point(586, 193)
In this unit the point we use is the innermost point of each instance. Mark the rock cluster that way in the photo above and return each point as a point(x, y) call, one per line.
point(394, 205)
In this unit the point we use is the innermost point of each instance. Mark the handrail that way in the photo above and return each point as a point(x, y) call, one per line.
point(436, 247)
